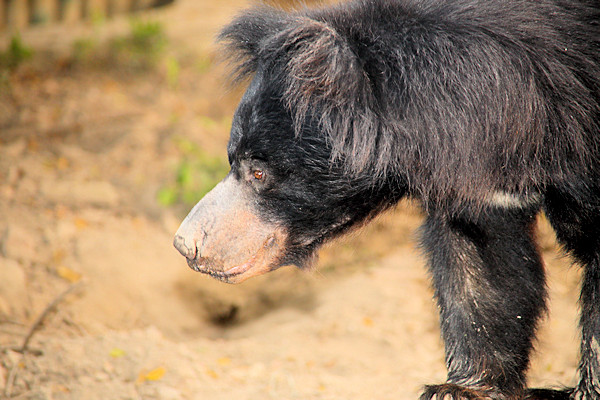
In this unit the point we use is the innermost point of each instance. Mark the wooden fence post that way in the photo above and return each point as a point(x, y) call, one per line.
point(17, 14)
point(43, 11)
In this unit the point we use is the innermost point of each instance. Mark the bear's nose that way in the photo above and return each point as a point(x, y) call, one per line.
point(188, 250)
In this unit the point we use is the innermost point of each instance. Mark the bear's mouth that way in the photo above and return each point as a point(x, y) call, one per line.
point(235, 274)
point(264, 260)
point(223, 276)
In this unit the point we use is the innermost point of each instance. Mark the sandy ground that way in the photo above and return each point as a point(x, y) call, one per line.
point(83, 152)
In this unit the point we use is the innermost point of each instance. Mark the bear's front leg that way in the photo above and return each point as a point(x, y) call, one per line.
point(490, 287)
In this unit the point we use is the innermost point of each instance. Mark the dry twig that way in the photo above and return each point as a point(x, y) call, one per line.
point(40, 319)
point(24, 348)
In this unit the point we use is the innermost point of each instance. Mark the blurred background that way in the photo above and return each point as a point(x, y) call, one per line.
point(114, 117)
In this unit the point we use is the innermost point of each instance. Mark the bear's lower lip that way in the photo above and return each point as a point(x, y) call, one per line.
point(224, 276)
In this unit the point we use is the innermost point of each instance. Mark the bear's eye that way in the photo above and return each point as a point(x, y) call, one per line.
point(258, 174)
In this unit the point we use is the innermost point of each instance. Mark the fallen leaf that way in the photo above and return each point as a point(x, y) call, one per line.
point(212, 373)
point(80, 223)
point(156, 374)
point(61, 388)
point(58, 256)
point(116, 352)
point(62, 163)
point(68, 274)
point(224, 361)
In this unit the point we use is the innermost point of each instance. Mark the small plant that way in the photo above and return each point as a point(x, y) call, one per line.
point(147, 36)
point(173, 69)
point(84, 49)
point(195, 175)
point(143, 46)
point(16, 53)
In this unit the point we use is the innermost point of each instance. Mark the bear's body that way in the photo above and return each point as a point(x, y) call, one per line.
point(485, 111)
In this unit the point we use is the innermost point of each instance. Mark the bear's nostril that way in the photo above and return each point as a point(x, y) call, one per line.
point(180, 245)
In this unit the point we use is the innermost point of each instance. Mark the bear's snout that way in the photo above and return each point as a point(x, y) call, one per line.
point(225, 237)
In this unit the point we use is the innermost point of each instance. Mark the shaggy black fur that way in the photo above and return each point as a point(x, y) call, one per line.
point(487, 111)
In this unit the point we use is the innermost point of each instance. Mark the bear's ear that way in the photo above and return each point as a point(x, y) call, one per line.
point(325, 81)
point(323, 78)
point(244, 37)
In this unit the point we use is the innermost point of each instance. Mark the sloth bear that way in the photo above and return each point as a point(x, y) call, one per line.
point(486, 111)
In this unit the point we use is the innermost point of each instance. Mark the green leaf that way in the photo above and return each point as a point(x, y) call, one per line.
point(167, 196)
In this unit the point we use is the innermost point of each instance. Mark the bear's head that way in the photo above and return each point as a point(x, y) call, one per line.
point(301, 151)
